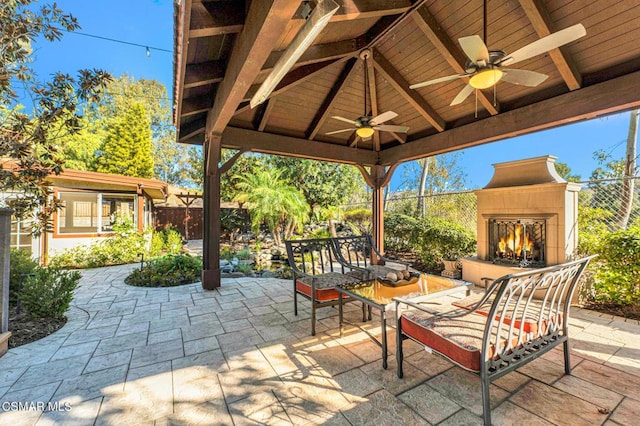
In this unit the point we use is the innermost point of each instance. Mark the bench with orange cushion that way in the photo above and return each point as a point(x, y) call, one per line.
point(532, 320)
point(316, 272)
point(497, 332)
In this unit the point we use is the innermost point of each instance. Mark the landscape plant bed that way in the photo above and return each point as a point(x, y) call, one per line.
point(625, 311)
point(25, 329)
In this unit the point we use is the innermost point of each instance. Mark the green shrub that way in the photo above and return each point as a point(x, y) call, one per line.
point(400, 232)
point(359, 220)
point(48, 293)
point(245, 268)
point(21, 264)
point(438, 239)
point(226, 253)
point(167, 271)
point(157, 244)
point(116, 250)
point(244, 254)
point(617, 269)
point(320, 233)
point(173, 241)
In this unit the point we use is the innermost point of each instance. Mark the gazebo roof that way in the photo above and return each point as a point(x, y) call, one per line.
point(225, 49)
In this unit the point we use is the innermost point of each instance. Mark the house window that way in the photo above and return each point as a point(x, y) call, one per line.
point(91, 213)
point(21, 237)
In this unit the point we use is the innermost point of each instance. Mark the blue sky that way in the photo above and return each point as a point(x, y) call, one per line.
point(150, 23)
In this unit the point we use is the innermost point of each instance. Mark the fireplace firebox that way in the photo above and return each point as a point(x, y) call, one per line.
point(518, 242)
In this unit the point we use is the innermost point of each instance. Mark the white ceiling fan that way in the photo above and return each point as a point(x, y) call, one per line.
point(366, 125)
point(485, 67)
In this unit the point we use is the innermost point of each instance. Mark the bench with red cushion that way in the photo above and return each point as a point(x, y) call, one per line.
point(493, 334)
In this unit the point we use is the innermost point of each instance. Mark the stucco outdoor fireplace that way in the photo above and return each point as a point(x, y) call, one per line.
point(527, 218)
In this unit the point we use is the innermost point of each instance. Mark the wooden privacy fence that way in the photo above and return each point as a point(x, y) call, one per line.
point(176, 217)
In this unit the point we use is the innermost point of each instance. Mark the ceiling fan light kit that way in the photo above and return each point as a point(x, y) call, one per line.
point(486, 78)
point(365, 132)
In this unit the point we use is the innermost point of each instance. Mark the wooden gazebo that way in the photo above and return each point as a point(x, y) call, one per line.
point(224, 51)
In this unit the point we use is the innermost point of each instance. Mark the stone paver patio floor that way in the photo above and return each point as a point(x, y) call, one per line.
point(238, 355)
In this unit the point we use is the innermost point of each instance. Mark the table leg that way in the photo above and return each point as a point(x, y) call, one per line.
point(383, 320)
point(340, 312)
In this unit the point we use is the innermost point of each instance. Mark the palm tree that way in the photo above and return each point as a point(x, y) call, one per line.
point(273, 202)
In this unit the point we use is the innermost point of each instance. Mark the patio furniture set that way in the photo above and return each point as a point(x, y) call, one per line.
point(517, 319)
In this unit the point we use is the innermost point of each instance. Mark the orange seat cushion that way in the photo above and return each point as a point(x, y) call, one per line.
point(324, 284)
point(530, 323)
point(459, 339)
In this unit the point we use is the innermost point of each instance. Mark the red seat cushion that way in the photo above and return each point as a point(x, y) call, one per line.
point(530, 323)
point(325, 285)
point(459, 339)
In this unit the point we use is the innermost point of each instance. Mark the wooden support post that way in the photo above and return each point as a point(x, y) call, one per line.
point(211, 242)
point(140, 213)
point(377, 207)
point(377, 178)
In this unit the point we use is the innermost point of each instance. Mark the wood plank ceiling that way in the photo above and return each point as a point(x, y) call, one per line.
point(410, 41)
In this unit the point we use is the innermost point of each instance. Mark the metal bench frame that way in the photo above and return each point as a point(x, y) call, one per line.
point(359, 251)
point(318, 258)
point(510, 300)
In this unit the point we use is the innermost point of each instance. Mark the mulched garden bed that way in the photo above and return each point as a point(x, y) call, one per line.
point(25, 329)
point(625, 311)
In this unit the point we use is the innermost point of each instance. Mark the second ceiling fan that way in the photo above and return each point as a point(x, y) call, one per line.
point(485, 67)
point(366, 125)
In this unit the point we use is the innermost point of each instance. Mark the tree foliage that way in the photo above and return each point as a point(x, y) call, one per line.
point(271, 201)
point(127, 145)
point(323, 184)
point(28, 140)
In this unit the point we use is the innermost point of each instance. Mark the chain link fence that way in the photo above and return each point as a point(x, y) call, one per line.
point(601, 202)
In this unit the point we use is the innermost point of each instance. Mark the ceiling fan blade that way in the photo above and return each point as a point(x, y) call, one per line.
point(392, 128)
point(346, 120)
point(341, 131)
point(437, 80)
point(523, 77)
point(474, 48)
point(545, 44)
point(462, 95)
point(381, 118)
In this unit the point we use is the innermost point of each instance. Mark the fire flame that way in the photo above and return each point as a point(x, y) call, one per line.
point(515, 244)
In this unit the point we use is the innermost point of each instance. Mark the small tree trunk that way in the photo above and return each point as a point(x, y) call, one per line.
point(628, 184)
point(421, 188)
point(332, 228)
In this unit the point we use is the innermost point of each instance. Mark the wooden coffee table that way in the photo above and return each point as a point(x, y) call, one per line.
point(379, 295)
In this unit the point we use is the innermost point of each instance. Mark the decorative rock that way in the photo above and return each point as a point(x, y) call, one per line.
point(391, 276)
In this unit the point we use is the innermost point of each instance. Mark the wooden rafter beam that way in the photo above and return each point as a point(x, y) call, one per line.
point(615, 95)
point(264, 25)
point(265, 113)
point(543, 24)
point(448, 50)
point(182, 35)
point(292, 79)
point(195, 127)
point(195, 105)
point(203, 74)
point(236, 138)
point(323, 113)
point(216, 18)
point(401, 85)
point(364, 9)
